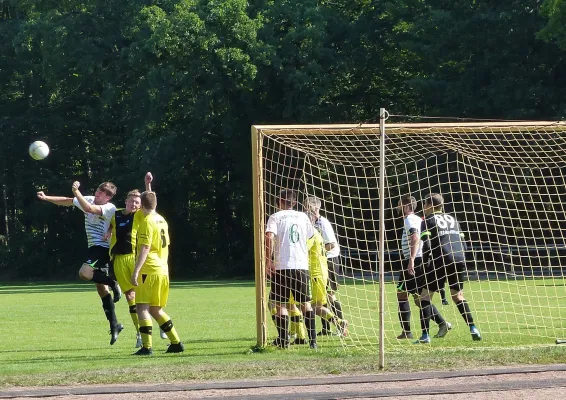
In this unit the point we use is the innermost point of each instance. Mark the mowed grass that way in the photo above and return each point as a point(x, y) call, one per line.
point(56, 334)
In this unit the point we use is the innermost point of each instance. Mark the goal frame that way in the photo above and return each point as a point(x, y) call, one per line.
point(257, 136)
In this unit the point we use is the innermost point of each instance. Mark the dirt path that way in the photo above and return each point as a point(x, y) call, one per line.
point(533, 382)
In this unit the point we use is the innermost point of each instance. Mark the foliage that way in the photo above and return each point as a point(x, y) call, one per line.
point(120, 87)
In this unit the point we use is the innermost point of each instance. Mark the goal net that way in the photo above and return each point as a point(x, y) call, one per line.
point(504, 182)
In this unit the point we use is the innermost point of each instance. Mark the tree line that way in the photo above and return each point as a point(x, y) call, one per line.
point(121, 87)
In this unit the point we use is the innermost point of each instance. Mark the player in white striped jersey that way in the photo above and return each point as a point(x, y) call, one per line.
point(98, 212)
point(411, 276)
point(287, 265)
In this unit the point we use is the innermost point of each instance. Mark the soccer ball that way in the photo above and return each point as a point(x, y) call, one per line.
point(38, 150)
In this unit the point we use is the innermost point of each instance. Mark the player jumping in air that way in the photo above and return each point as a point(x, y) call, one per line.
point(98, 212)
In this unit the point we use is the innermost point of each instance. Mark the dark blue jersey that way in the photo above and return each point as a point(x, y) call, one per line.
point(123, 241)
point(442, 238)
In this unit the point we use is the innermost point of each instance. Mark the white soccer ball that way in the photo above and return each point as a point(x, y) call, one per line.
point(38, 150)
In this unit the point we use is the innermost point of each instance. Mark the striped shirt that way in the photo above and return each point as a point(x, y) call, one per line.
point(97, 225)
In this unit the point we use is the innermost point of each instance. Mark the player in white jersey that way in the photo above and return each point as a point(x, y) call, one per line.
point(412, 274)
point(332, 247)
point(98, 212)
point(287, 265)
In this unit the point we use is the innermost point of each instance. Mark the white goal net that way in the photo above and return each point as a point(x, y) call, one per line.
point(504, 182)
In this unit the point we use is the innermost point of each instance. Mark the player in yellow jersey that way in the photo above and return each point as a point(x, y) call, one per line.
point(123, 232)
point(318, 269)
point(151, 276)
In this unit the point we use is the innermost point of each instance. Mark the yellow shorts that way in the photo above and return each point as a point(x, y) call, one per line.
point(318, 289)
point(152, 290)
point(123, 268)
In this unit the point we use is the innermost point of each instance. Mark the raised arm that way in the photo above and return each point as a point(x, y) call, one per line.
point(148, 179)
point(57, 200)
point(85, 205)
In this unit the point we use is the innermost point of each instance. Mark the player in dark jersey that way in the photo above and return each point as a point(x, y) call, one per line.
point(411, 276)
point(444, 247)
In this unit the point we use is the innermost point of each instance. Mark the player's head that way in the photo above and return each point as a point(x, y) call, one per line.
point(312, 206)
point(433, 203)
point(148, 202)
point(287, 199)
point(133, 201)
point(104, 193)
point(407, 205)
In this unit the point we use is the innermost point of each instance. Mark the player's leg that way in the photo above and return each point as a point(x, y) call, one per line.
point(131, 299)
point(98, 256)
point(301, 292)
point(333, 303)
point(123, 266)
point(455, 282)
point(442, 292)
point(279, 297)
point(92, 270)
point(145, 329)
point(425, 299)
point(143, 301)
point(158, 300)
point(403, 307)
point(297, 327)
point(318, 287)
point(429, 282)
point(166, 324)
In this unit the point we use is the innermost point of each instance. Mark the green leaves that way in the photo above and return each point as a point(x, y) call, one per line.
point(121, 87)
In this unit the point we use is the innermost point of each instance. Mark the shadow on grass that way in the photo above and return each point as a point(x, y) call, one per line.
point(54, 287)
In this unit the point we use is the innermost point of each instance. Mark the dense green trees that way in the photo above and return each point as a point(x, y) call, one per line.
point(119, 87)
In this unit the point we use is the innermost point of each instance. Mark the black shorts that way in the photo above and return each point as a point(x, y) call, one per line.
point(287, 282)
point(333, 265)
point(411, 283)
point(438, 273)
point(98, 257)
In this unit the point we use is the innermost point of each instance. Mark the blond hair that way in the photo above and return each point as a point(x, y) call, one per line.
point(133, 193)
point(313, 202)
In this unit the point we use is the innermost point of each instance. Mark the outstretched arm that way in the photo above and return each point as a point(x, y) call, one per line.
point(148, 179)
point(57, 200)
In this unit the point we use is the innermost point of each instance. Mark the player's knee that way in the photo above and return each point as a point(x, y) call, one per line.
point(306, 307)
point(130, 295)
point(155, 312)
point(457, 297)
point(402, 296)
point(102, 290)
point(86, 272)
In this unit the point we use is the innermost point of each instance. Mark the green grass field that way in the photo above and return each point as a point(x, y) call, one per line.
point(56, 334)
